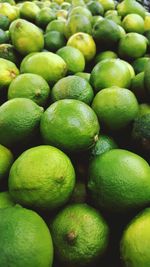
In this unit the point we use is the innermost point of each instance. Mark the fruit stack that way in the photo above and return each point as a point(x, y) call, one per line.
point(74, 133)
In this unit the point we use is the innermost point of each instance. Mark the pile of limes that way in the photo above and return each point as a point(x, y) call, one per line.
point(74, 133)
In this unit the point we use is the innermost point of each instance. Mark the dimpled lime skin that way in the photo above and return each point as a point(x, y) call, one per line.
point(80, 235)
point(25, 239)
point(70, 124)
point(6, 160)
point(135, 242)
point(42, 177)
point(119, 181)
point(19, 120)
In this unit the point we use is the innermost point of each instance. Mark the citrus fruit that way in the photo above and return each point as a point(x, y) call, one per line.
point(3, 37)
point(45, 16)
point(104, 144)
point(29, 11)
point(107, 4)
point(26, 241)
point(70, 124)
point(138, 87)
point(4, 22)
point(42, 177)
point(80, 10)
point(146, 76)
point(80, 40)
point(122, 31)
point(133, 23)
point(8, 71)
point(95, 7)
point(116, 116)
point(54, 40)
point(26, 37)
point(106, 32)
point(140, 64)
point(73, 57)
point(56, 25)
point(30, 86)
point(105, 55)
point(132, 45)
point(77, 23)
point(84, 75)
point(136, 240)
point(6, 160)
point(72, 242)
point(46, 64)
point(7, 51)
point(147, 23)
point(73, 87)
point(124, 185)
point(130, 7)
point(5, 200)
point(144, 109)
point(19, 120)
point(9, 11)
point(110, 72)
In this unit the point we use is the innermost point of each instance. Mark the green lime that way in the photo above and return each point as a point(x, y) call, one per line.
point(25, 239)
point(29, 11)
point(56, 25)
point(3, 37)
point(119, 181)
point(9, 11)
point(80, 10)
point(140, 64)
point(138, 87)
point(136, 240)
point(133, 23)
point(26, 37)
point(73, 57)
point(104, 144)
point(70, 232)
point(19, 121)
point(7, 51)
point(42, 177)
point(107, 4)
point(45, 16)
point(70, 124)
point(95, 7)
point(54, 40)
point(73, 87)
point(119, 115)
point(110, 72)
point(30, 86)
point(105, 55)
point(8, 71)
point(80, 40)
point(84, 75)
point(132, 45)
point(46, 64)
point(6, 160)
point(4, 22)
point(114, 17)
point(6, 200)
point(130, 7)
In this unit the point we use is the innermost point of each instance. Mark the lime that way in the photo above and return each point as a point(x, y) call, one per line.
point(140, 64)
point(70, 124)
point(133, 23)
point(132, 46)
point(26, 241)
point(56, 25)
point(95, 7)
point(54, 40)
point(110, 72)
point(30, 86)
point(80, 40)
point(130, 7)
point(136, 240)
point(105, 55)
point(42, 177)
point(8, 71)
point(104, 144)
point(3, 37)
point(4, 22)
point(9, 11)
point(73, 87)
point(29, 11)
point(107, 4)
point(73, 57)
point(19, 121)
point(119, 181)
point(84, 75)
point(7, 51)
point(6, 160)
point(70, 232)
point(80, 10)
point(44, 16)
point(138, 87)
point(6, 200)
point(146, 76)
point(117, 116)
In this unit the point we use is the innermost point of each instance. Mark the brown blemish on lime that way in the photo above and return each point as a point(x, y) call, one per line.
point(71, 237)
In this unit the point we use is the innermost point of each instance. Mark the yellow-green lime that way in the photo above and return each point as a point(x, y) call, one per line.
point(70, 124)
point(29, 11)
point(9, 11)
point(107, 4)
point(19, 121)
point(70, 232)
point(80, 10)
point(30, 86)
point(133, 23)
point(80, 40)
point(119, 181)
point(84, 75)
point(119, 115)
point(72, 87)
point(131, 7)
point(44, 16)
point(56, 25)
point(8, 72)
point(25, 239)
point(42, 177)
point(73, 57)
point(6, 160)
point(105, 55)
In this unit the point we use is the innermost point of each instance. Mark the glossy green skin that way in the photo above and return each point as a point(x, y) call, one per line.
point(26, 37)
point(25, 239)
point(135, 241)
point(6, 160)
point(73, 87)
point(70, 124)
point(80, 235)
point(19, 121)
point(42, 177)
point(119, 181)
point(54, 40)
point(104, 144)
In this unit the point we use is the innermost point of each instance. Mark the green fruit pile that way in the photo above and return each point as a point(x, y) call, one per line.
point(74, 133)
